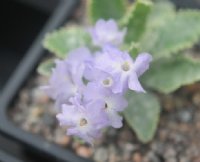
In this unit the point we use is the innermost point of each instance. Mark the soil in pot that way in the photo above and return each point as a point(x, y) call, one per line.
point(177, 138)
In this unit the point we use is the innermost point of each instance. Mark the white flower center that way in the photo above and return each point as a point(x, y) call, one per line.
point(107, 82)
point(125, 66)
point(83, 122)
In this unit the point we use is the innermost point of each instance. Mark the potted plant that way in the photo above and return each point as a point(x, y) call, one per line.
point(164, 32)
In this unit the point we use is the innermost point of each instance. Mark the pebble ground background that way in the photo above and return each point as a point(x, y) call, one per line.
point(176, 140)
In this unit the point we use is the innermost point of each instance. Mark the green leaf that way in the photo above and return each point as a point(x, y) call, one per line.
point(179, 33)
point(142, 114)
point(45, 68)
point(167, 75)
point(161, 13)
point(135, 20)
point(66, 39)
point(134, 49)
point(106, 9)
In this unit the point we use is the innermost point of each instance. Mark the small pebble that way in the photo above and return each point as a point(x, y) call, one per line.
point(101, 154)
point(137, 157)
point(151, 157)
point(184, 159)
point(196, 99)
point(163, 134)
point(129, 147)
point(168, 103)
point(24, 96)
point(61, 139)
point(84, 151)
point(39, 96)
point(49, 120)
point(171, 160)
point(196, 159)
point(185, 115)
point(112, 157)
point(36, 112)
point(125, 135)
point(158, 147)
point(18, 118)
point(179, 103)
point(170, 152)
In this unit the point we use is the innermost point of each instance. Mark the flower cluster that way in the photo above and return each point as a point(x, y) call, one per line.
point(89, 89)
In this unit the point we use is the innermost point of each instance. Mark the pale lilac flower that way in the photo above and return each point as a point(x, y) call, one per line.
point(123, 69)
point(113, 103)
point(66, 78)
point(83, 120)
point(107, 32)
point(77, 58)
point(97, 76)
point(103, 79)
point(89, 90)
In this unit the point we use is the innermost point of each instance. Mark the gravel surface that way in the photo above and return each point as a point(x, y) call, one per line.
point(176, 140)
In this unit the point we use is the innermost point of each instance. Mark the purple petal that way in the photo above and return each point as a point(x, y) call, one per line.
point(79, 55)
point(94, 92)
point(142, 63)
point(134, 83)
point(121, 85)
point(72, 131)
point(97, 114)
point(111, 25)
point(115, 120)
point(119, 103)
point(107, 32)
point(89, 72)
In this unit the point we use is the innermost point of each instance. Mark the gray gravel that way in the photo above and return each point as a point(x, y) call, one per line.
point(176, 140)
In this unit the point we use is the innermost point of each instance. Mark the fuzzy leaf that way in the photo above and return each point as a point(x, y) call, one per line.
point(45, 68)
point(179, 33)
point(142, 114)
point(106, 9)
point(167, 75)
point(66, 39)
point(135, 20)
point(161, 13)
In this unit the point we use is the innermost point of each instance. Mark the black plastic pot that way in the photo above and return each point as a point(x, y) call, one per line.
point(22, 72)
point(187, 3)
point(4, 157)
point(20, 24)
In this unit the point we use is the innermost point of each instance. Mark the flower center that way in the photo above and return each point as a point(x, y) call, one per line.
point(107, 82)
point(83, 122)
point(125, 66)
